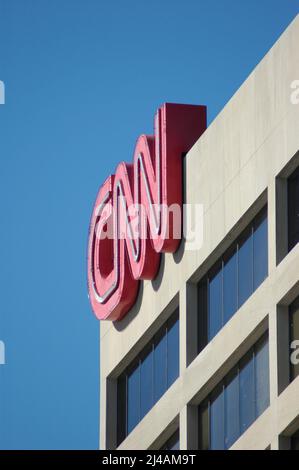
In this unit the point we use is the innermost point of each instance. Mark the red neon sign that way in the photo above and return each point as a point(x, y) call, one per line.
point(122, 252)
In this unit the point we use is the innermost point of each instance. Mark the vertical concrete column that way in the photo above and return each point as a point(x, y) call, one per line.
point(103, 440)
point(183, 419)
point(183, 362)
point(274, 444)
point(183, 428)
point(188, 347)
point(189, 428)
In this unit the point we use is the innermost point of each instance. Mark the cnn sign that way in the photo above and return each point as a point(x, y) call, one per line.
point(138, 212)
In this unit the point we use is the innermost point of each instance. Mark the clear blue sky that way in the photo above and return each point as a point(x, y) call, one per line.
point(83, 80)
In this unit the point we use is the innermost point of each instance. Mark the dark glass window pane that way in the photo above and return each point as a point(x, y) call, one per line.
point(204, 426)
point(262, 376)
point(235, 403)
point(245, 268)
point(133, 399)
point(148, 377)
point(260, 252)
point(173, 442)
point(247, 394)
point(173, 358)
point(295, 441)
point(294, 336)
point(146, 383)
point(160, 359)
point(217, 420)
point(121, 408)
point(215, 304)
point(230, 283)
point(293, 209)
point(233, 279)
point(202, 315)
point(231, 400)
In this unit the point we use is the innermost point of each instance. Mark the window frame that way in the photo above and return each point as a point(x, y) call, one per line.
point(122, 380)
point(204, 435)
point(204, 335)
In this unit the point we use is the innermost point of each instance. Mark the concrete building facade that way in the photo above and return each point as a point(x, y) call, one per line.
point(244, 163)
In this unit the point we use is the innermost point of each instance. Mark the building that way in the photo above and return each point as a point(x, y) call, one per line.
point(203, 358)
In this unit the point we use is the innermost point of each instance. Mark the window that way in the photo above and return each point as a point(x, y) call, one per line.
point(287, 341)
point(245, 267)
point(146, 382)
point(134, 395)
point(216, 408)
point(148, 377)
point(173, 442)
point(246, 392)
point(215, 303)
point(173, 359)
point(231, 408)
point(160, 365)
point(294, 336)
point(287, 208)
point(241, 397)
point(293, 209)
point(261, 377)
point(233, 279)
point(230, 294)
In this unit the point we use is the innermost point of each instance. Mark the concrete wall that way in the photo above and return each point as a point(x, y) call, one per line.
point(239, 163)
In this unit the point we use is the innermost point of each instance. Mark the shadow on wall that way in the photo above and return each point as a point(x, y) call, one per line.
point(121, 325)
